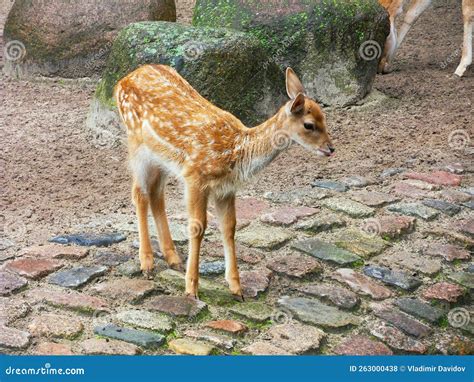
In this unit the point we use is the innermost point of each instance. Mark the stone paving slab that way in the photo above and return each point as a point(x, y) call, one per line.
point(12, 338)
point(373, 198)
point(414, 209)
point(33, 268)
point(419, 308)
point(264, 237)
point(220, 341)
point(177, 306)
point(12, 309)
point(361, 284)
point(53, 348)
point(392, 277)
point(11, 283)
point(90, 239)
point(77, 276)
point(326, 252)
point(313, 311)
point(411, 261)
point(448, 251)
point(396, 339)
point(101, 346)
point(189, 347)
point(287, 215)
point(362, 345)
point(140, 338)
point(146, 320)
point(253, 311)
point(294, 265)
point(349, 207)
point(321, 223)
point(70, 300)
point(340, 297)
point(55, 251)
point(130, 290)
point(360, 243)
point(51, 325)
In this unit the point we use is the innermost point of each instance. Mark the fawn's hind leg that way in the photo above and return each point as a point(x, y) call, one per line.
point(225, 208)
point(157, 202)
point(141, 201)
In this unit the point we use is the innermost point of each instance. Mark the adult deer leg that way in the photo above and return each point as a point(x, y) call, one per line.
point(225, 208)
point(196, 199)
point(142, 202)
point(466, 58)
point(158, 209)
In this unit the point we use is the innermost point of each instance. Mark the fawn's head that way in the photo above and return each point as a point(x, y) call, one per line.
point(304, 120)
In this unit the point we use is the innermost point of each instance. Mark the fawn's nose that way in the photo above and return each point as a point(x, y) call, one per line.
point(331, 149)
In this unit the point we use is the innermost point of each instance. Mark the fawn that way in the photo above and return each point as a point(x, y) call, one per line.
point(417, 7)
point(173, 130)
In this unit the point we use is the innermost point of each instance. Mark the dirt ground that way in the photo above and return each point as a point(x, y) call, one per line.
point(56, 179)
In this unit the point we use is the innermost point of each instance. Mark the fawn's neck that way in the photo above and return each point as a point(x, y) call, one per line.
point(261, 144)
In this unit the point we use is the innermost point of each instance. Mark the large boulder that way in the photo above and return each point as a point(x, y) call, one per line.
point(229, 68)
point(71, 39)
point(333, 45)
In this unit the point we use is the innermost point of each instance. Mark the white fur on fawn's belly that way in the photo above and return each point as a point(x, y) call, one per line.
point(145, 163)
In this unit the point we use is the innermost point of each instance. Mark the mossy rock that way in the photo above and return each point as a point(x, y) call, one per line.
point(334, 45)
point(229, 68)
point(71, 39)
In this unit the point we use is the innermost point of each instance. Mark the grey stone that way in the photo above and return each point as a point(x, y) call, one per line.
point(326, 252)
point(418, 308)
point(111, 259)
point(130, 268)
point(76, 277)
point(445, 207)
point(178, 306)
point(412, 261)
point(349, 207)
point(402, 321)
point(330, 185)
point(414, 209)
point(320, 223)
point(254, 311)
point(209, 268)
point(469, 204)
point(314, 312)
point(392, 171)
point(11, 283)
point(339, 296)
point(146, 320)
point(137, 337)
point(264, 237)
point(305, 197)
point(391, 277)
point(221, 341)
point(355, 181)
point(463, 278)
point(360, 243)
point(90, 239)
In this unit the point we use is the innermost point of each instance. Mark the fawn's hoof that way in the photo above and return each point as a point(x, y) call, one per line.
point(239, 297)
point(177, 267)
point(192, 295)
point(149, 275)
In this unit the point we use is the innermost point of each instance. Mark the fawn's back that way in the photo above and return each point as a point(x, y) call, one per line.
point(163, 113)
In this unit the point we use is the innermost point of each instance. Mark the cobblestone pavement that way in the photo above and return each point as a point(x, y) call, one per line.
point(350, 266)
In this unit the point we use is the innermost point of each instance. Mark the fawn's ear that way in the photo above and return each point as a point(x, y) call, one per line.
point(293, 84)
point(298, 104)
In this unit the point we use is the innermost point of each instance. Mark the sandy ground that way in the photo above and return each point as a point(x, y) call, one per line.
point(55, 178)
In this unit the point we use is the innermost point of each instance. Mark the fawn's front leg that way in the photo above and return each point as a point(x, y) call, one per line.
point(225, 208)
point(197, 211)
point(466, 58)
point(141, 201)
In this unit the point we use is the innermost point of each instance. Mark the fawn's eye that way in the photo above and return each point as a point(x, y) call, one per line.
point(309, 126)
